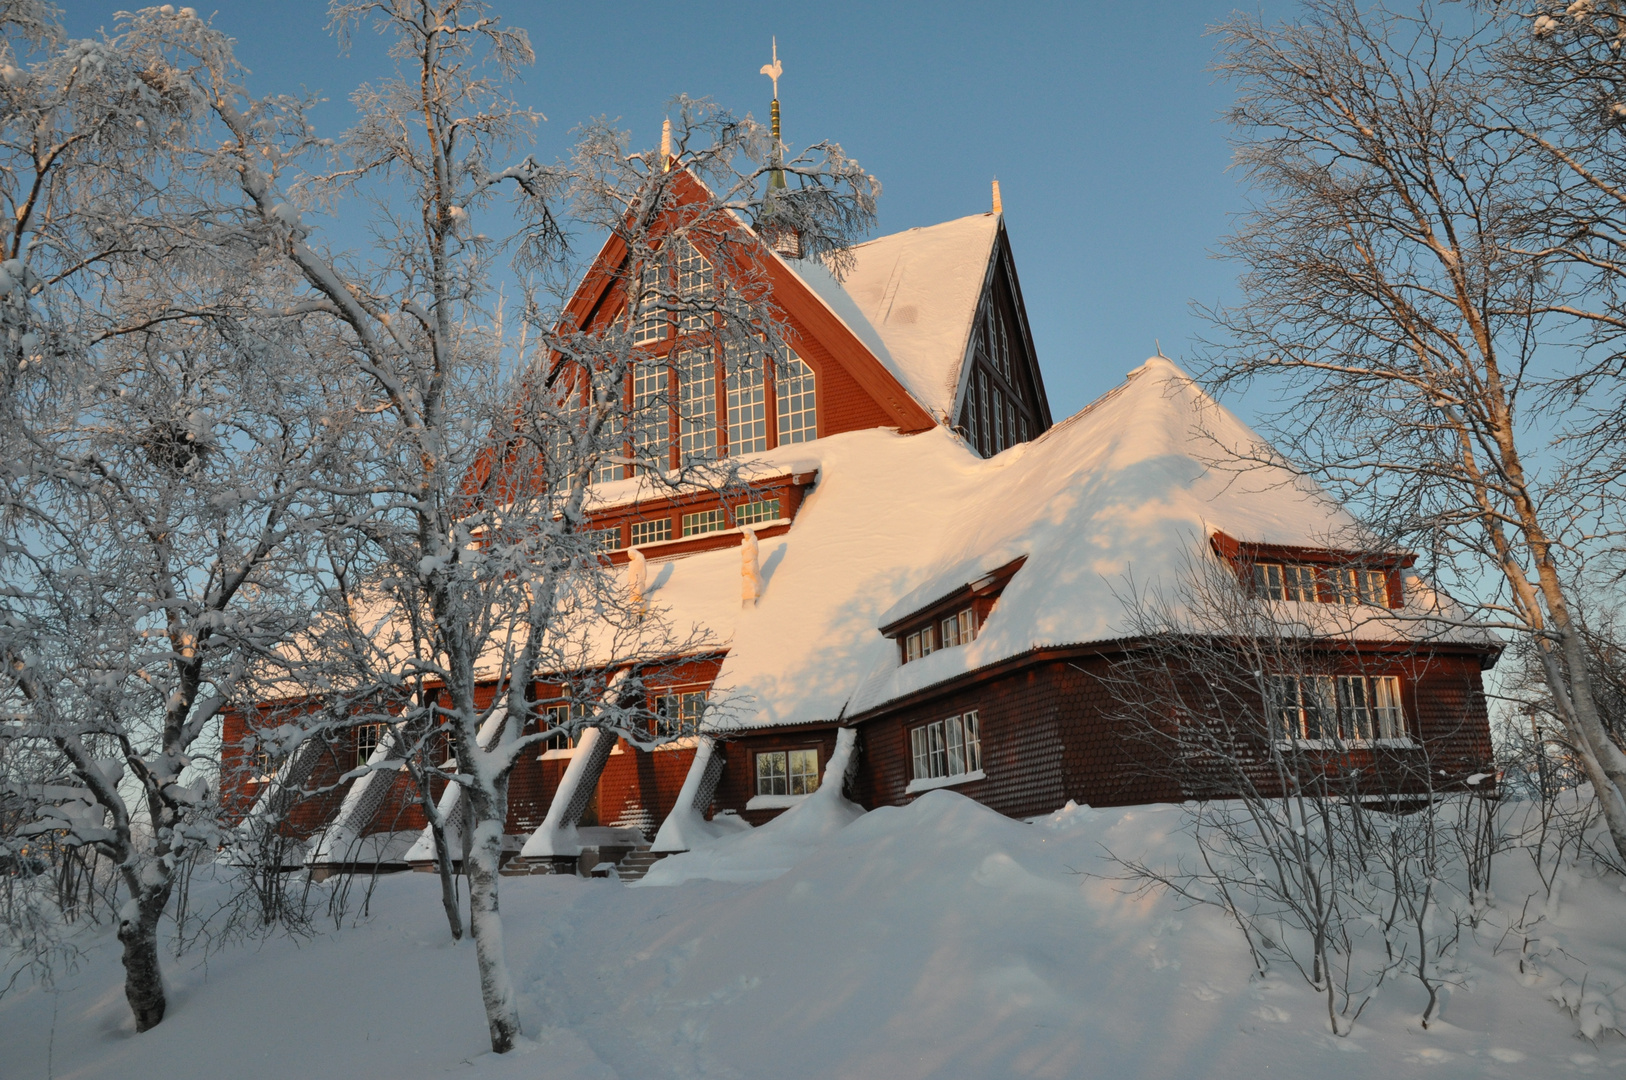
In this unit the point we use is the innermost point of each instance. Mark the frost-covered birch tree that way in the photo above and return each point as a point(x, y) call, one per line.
point(1395, 288)
point(472, 571)
point(159, 440)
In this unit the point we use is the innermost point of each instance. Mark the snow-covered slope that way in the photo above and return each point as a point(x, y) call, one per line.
point(938, 940)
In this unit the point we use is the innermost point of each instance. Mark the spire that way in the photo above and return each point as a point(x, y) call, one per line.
point(999, 207)
point(666, 147)
point(776, 179)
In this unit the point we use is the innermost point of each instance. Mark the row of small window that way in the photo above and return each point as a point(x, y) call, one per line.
point(676, 714)
point(1346, 708)
point(699, 523)
point(957, 629)
point(1323, 584)
point(946, 748)
point(994, 421)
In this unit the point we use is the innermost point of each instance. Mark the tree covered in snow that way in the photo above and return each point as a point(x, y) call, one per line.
point(162, 430)
point(491, 411)
point(1420, 280)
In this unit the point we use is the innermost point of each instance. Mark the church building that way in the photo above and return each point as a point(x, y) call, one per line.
point(931, 582)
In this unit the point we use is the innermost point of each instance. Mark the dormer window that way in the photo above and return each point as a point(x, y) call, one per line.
point(954, 620)
point(1314, 575)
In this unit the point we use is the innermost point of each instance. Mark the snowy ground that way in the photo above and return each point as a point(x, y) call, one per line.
point(939, 940)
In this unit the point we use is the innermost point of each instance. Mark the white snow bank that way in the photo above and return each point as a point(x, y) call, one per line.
point(938, 940)
point(764, 853)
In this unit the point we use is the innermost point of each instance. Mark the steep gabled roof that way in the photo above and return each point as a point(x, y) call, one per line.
point(803, 290)
point(918, 290)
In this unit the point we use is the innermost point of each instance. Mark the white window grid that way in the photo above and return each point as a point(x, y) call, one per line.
point(946, 748)
point(1344, 708)
point(958, 629)
point(697, 404)
point(651, 531)
point(918, 644)
point(1290, 581)
point(798, 401)
point(787, 772)
point(1357, 585)
point(999, 420)
point(604, 541)
point(747, 402)
point(695, 283)
point(973, 428)
point(562, 715)
point(703, 521)
point(368, 736)
point(752, 512)
point(652, 318)
point(679, 713)
point(652, 423)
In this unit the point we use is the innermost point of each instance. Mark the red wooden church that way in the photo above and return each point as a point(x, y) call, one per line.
point(939, 580)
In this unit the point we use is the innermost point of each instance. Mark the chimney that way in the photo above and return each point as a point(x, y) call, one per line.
point(750, 570)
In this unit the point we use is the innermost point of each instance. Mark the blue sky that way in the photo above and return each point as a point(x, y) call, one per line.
point(1101, 122)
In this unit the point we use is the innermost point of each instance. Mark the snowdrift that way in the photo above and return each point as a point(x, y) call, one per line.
point(936, 940)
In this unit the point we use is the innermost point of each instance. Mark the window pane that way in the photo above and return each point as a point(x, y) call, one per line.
point(973, 742)
point(1391, 720)
point(950, 629)
point(927, 645)
point(752, 512)
point(652, 316)
point(798, 405)
point(919, 752)
point(771, 773)
point(973, 428)
point(651, 420)
point(650, 532)
point(1301, 583)
point(694, 279)
point(954, 738)
point(704, 521)
point(697, 405)
point(968, 625)
point(747, 402)
point(999, 420)
point(1284, 704)
point(1267, 581)
point(1355, 711)
point(939, 750)
point(1375, 587)
point(912, 647)
point(982, 403)
point(804, 772)
point(1320, 708)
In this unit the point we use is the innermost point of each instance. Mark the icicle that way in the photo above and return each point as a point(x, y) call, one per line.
point(750, 570)
point(637, 579)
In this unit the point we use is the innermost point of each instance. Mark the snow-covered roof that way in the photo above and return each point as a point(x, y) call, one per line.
point(911, 299)
point(1127, 489)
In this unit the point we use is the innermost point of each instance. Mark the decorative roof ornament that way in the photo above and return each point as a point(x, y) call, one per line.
point(999, 207)
point(666, 145)
point(776, 179)
point(783, 238)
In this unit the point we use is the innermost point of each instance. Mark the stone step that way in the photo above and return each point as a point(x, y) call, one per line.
point(637, 863)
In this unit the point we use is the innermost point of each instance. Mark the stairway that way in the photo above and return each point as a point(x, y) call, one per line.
point(637, 863)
